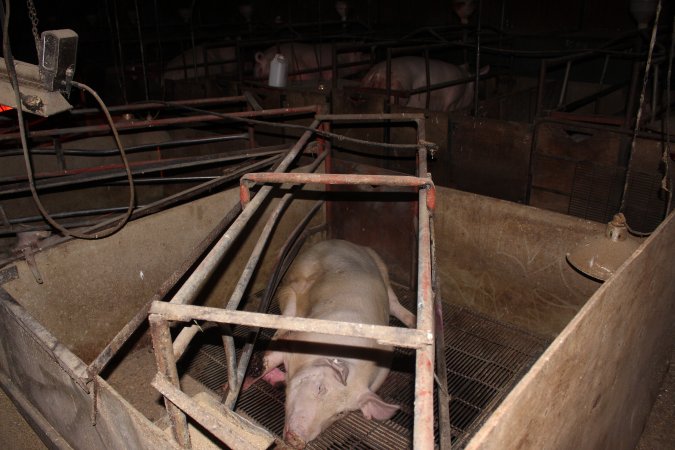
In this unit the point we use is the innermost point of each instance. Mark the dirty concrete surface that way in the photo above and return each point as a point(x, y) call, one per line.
point(15, 433)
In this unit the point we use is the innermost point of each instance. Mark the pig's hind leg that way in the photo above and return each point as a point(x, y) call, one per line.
point(395, 308)
point(399, 311)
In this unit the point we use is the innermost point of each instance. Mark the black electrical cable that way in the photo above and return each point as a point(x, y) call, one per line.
point(11, 70)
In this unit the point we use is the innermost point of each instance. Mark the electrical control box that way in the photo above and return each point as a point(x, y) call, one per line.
point(57, 60)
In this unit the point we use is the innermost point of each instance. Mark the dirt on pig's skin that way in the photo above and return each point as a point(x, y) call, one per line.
point(255, 366)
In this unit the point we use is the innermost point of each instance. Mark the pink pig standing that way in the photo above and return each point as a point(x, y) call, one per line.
point(327, 376)
point(409, 72)
point(305, 57)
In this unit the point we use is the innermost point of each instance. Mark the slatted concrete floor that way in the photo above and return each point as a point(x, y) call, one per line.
point(484, 358)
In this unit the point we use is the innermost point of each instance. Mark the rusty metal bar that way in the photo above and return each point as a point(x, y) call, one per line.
point(193, 285)
point(159, 205)
point(445, 431)
point(154, 146)
point(421, 339)
point(231, 428)
point(113, 172)
point(166, 365)
point(541, 87)
point(603, 73)
point(259, 248)
point(566, 79)
point(161, 105)
point(576, 104)
point(402, 337)
point(393, 117)
point(146, 124)
point(287, 253)
point(427, 79)
point(247, 274)
point(335, 179)
point(423, 422)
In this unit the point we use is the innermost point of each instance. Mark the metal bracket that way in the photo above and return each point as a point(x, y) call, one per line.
point(30, 260)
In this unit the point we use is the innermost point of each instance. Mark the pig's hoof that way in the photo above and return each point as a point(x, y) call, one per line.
point(294, 440)
point(256, 366)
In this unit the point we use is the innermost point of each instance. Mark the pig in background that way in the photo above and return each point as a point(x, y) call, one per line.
point(464, 9)
point(305, 57)
point(409, 72)
point(328, 376)
point(182, 67)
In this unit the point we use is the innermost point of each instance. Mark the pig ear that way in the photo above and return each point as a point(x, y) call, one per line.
point(373, 407)
point(259, 57)
point(485, 69)
point(339, 366)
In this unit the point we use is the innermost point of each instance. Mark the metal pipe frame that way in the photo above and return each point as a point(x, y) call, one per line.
point(159, 105)
point(234, 382)
point(116, 171)
point(164, 203)
point(61, 153)
point(421, 338)
point(552, 63)
point(158, 123)
point(250, 179)
point(283, 261)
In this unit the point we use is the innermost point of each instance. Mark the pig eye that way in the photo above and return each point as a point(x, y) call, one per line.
point(321, 390)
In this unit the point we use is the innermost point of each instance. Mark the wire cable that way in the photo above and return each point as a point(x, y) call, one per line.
point(11, 70)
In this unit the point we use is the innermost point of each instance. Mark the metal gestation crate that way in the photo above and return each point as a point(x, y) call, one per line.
point(229, 427)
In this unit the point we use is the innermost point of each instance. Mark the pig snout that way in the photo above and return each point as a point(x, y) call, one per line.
point(293, 438)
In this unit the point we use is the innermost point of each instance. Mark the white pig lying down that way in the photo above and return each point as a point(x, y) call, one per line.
point(328, 376)
point(409, 72)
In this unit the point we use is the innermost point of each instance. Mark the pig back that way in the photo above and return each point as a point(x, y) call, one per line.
point(339, 280)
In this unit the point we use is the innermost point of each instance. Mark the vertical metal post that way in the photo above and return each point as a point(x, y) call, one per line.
point(541, 88)
point(596, 109)
point(428, 79)
point(563, 91)
point(160, 55)
point(334, 59)
point(387, 101)
point(60, 158)
point(142, 45)
point(205, 61)
point(655, 96)
point(423, 421)
point(166, 364)
point(475, 85)
point(122, 77)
